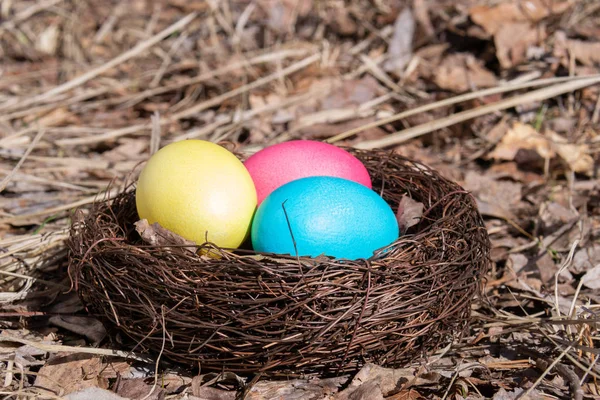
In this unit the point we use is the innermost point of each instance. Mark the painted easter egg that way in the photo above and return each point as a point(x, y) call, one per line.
point(199, 190)
point(279, 164)
point(324, 215)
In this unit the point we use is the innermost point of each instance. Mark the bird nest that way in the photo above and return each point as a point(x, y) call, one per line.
point(246, 312)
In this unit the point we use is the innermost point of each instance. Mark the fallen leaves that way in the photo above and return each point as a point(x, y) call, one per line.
point(515, 26)
point(138, 389)
point(493, 18)
point(514, 40)
point(409, 213)
point(282, 14)
point(156, 235)
point(461, 72)
point(577, 156)
point(400, 47)
point(523, 137)
point(587, 53)
point(591, 279)
point(89, 327)
point(495, 198)
point(64, 374)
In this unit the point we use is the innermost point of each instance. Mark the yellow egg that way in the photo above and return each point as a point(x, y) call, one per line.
point(198, 190)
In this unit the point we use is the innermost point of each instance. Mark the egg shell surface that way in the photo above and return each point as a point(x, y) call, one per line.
point(199, 190)
point(279, 164)
point(326, 215)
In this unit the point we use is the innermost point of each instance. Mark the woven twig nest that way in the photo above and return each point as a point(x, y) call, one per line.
point(248, 313)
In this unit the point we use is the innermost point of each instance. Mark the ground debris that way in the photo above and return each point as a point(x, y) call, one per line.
point(256, 73)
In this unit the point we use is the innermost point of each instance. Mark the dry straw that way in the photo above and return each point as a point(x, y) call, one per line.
point(250, 313)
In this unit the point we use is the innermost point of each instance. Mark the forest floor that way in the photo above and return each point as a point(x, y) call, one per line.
point(499, 96)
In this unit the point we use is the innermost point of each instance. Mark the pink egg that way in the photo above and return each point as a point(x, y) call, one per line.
point(279, 164)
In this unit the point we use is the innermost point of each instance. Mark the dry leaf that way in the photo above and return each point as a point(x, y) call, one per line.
point(587, 53)
point(367, 391)
point(410, 394)
point(409, 213)
point(400, 48)
point(519, 137)
point(297, 389)
point(352, 93)
point(577, 156)
point(387, 380)
point(65, 374)
point(513, 40)
point(421, 10)
point(517, 393)
point(461, 72)
point(516, 261)
point(591, 279)
point(554, 215)
point(57, 117)
point(492, 18)
point(585, 259)
point(89, 327)
point(504, 193)
point(138, 389)
point(284, 13)
point(210, 393)
point(340, 19)
point(156, 235)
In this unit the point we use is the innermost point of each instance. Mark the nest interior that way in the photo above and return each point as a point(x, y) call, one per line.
point(249, 313)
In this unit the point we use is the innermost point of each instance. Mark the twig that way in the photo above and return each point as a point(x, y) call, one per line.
point(568, 374)
point(59, 348)
point(197, 108)
point(155, 133)
point(28, 12)
point(419, 130)
point(73, 83)
point(12, 173)
point(454, 100)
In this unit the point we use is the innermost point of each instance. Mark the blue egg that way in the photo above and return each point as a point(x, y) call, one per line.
point(324, 215)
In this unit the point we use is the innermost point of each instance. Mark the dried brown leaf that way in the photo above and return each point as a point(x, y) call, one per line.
point(409, 213)
point(577, 156)
point(513, 40)
point(156, 235)
point(521, 136)
point(407, 394)
point(591, 279)
point(57, 117)
point(587, 53)
point(385, 380)
point(421, 10)
point(370, 390)
point(65, 374)
point(516, 262)
point(585, 259)
point(137, 389)
point(298, 389)
point(461, 72)
point(352, 93)
point(89, 327)
point(400, 47)
point(210, 393)
point(504, 193)
point(284, 13)
point(493, 18)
